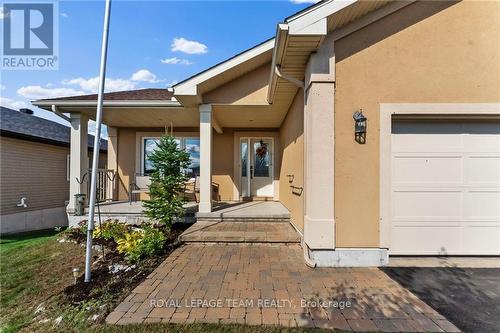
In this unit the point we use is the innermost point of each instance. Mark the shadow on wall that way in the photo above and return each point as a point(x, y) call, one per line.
point(391, 25)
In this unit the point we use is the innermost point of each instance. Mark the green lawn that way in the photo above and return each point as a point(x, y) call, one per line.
point(35, 269)
point(30, 272)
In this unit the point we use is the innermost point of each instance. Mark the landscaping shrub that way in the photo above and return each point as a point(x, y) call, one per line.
point(130, 242)
point(168, 180)
point(111, 230)
point(139, 244)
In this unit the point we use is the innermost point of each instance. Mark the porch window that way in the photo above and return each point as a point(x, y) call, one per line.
point(191, 145)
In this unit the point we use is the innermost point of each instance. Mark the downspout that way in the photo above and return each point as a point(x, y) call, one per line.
point(58, 113)
point(285, 77)
point(305, 249)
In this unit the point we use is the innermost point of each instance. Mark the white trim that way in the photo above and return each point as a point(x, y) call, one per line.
point(316, 13)
point(387, 110)
point(205, 204)
point(189, 87)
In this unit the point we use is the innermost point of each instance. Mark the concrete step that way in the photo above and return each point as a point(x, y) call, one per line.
point(244, 232)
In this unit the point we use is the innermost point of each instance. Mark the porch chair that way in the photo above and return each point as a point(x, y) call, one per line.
point(192, 187)
point(140, 185)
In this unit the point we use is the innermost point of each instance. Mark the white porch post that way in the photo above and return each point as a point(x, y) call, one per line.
point(205, 205)
point(79, 158)
point(319, 170)
point(112, 162)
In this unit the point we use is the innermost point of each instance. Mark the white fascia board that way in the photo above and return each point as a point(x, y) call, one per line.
point(281, 41)
point(322, 11)
point(317, 28)
point(189, 87)
point(117, 103)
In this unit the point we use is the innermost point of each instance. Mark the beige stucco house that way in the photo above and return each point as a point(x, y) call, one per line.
point(275, 122)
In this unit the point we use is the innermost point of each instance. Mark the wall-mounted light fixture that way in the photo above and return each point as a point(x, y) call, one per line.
point(359, 126)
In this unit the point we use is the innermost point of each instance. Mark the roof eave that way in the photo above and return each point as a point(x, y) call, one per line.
point(109, 103)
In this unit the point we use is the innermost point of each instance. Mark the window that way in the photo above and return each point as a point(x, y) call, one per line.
point(191, 145)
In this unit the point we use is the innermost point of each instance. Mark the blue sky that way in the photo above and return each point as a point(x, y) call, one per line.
point(151, 44)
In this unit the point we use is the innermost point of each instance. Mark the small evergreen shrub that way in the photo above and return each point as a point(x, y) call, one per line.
point(168, 180)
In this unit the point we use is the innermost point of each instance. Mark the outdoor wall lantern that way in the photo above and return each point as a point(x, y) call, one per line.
point(359, 126)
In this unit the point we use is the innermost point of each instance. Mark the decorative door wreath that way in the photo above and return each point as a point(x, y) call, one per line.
point(262, 150)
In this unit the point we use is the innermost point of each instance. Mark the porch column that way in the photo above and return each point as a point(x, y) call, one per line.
point(205, 205)
point(112, 163)
point(79, 158)
point(319, 170)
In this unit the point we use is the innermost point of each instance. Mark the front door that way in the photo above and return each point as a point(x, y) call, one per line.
point(256, 167)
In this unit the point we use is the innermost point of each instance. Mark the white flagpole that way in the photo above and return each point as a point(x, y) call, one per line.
point(95, 159)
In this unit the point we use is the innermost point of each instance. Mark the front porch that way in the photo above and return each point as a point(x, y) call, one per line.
point(223, 211)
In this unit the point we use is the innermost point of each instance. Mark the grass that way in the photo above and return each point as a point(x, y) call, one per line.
point(35, 270)
point(33, 267)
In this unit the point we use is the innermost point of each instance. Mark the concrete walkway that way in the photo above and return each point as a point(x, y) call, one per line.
point(271, 211)
point(269, 284)
point(241, 232)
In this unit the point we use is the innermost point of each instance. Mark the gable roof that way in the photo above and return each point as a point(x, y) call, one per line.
point(30, 127)
point(221, 72)
point(149, 94)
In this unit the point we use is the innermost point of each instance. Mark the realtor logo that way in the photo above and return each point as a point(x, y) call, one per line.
point(29, 35)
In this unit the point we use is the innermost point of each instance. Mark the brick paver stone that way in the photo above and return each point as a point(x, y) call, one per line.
point(244, 283)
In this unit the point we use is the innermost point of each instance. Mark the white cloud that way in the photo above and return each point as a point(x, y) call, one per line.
point(188, 46)
point(12, 104)
point(176, 61)
point(65, 15)
point(38, 92)
point(144, 75)
point(304, 1)
point(92, 84)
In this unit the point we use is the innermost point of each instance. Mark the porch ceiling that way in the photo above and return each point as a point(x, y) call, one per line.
point(246, 116)
point(144, 116)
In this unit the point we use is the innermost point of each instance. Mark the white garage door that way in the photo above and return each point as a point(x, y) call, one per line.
point(445, 188)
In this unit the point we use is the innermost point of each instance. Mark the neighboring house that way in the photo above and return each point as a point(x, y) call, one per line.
point(424, 179)
point(34, 160)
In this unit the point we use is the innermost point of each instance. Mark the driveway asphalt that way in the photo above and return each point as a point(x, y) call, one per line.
point(468, 297)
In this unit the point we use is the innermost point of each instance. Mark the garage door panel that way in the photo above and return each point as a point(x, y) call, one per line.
point(432, 170)
point(431, 143)
point(490, 170)
point(482, 240)
point(421, 205)
point(482, 205)
point(445, 195)
point(482, 143)
point(426, 240)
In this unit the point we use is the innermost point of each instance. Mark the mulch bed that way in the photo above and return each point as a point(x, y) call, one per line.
point(114, 287)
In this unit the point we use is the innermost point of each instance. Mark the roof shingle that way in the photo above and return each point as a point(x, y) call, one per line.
point(38, 129)
point(150, 94)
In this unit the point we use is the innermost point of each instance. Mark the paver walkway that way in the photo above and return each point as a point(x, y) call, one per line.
point(269, 284)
